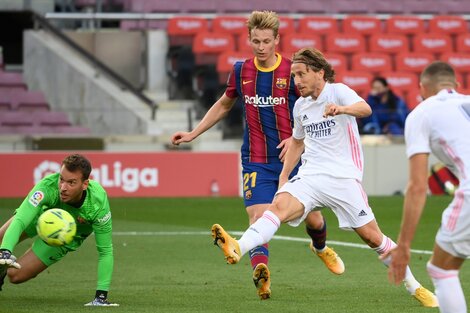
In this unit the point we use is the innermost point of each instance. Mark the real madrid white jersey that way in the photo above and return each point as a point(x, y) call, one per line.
point(332, 144)
point(441, 125)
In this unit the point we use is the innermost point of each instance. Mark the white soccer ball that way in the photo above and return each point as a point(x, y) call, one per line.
point(56, 227)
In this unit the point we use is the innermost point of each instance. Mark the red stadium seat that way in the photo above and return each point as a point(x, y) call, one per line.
point(11, 80)
point(365, 25)
point(358, 81)
point(294, 42)
point(459, 61)
point(235, 25)
point(318, 25)
point(52, 118)
point(338, 61)
point(243, 44)
point(286, 25)
point(413, 98)
point(17, 118)
point(413, 61)
point(401, 82)
point(463, 43)
point(27, 100)
point(405, 25)
point(226, 60)
point(182, 29)
point(345, 43)
point(448, 24)
point(207, 46)
point(432, 43)
point(388, 43)
point(372, 62)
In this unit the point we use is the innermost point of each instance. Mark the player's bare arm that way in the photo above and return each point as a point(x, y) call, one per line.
point(217, 112)
point(358, 109)
point(415, 199)
point(291, 159)
point(284, 146)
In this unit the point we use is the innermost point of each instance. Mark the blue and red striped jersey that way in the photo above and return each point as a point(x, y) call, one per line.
point(268, 96)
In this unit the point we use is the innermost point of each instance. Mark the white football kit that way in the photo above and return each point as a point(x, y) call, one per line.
point(332, 163)
point(441, 125)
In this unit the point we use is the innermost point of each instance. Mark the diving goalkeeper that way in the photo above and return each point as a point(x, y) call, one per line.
point(86, 200)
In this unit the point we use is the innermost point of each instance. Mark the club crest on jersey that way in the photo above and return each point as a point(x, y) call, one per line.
point(281, 83)
point(248, 194)
point(81, 220)
point(36, 198)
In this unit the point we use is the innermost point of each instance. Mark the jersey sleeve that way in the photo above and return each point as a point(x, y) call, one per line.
point(25, 214)
point(298, 130)
point(231, 90)
point(102, 227)
point(346, 96)
point(417, 133)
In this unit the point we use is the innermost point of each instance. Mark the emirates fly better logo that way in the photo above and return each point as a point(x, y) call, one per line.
point(129, 179)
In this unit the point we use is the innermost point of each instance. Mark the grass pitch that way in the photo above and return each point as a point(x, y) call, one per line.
point(165, 262)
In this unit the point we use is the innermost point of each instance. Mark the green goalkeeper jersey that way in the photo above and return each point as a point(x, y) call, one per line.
point(93, 215)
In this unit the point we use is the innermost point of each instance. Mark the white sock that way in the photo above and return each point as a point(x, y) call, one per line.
point(448, 289)
point(410, 281)
point(260, 232)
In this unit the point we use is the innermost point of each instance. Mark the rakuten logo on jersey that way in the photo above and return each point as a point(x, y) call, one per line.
point(270, 101)
point(130, 179)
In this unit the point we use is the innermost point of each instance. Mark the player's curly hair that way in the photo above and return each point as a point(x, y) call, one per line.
point(315, 60)
point(77, 162)
point(263, 20)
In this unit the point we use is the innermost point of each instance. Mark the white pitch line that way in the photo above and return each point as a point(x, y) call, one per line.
point(239, 233)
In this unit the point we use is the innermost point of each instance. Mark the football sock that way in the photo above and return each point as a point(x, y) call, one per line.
point(318, 236)
point(259, 255)
point(260, 232)
point(387, 244)
point(448, 289)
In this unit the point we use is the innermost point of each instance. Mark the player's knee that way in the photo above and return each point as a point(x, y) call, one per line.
point(314, 220)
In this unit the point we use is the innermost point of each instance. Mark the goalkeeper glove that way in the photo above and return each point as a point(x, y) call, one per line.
point(101, 299)
point(8, 259)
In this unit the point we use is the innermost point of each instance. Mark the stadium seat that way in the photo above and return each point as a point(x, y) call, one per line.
point(11, 80)
point(208, 45)
point(294, 42)
point(318, 25)
point(447, 24)
point(17, 118)
point(345, 43)
point(182, 29)
point(358, 81)
point(388, 43)
point(286, 25)
point(432, 43)
point(371, 62)
point(401, 82)
point(460, 62)
point(235, 25)
point(52, 119)
point(362, 24)
point(243, 44)
point(412, 61)
point(405, 25)
point(424, 7)
point(27, 100)
point(413, 98)
point(225, 62)
point(463, 43)
point(338, 61)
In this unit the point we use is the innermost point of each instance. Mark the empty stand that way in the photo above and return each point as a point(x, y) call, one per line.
point(372, 62)
point(208, 45)
point(319, 25)
point(286, 25)
point(225, 63)
point(413, 61)
point(448, 24)
point(413, 98)
point(294, 42)
point(432, 43)
point(338, 61)
point(462, 43)
point(388, 43)
point(345, 43)
point(358, 81)
point(405, 25)
point(52, 119)
point(365, 25)
point(17, 118)
point(235, 25)
point(182, 29)
point(11, 80)
point(401, 82)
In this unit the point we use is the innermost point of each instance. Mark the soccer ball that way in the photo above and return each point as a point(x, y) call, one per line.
point(56, 227)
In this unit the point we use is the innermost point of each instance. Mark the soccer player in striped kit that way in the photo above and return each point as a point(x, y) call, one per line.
point(265, 87)
point(325, 137)
point(439, 125)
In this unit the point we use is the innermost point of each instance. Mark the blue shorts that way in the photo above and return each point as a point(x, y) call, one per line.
point(260, 182)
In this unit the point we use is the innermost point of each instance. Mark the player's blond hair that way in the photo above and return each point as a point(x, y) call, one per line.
point(316, 61)
point(438, 73)
point(263, 20)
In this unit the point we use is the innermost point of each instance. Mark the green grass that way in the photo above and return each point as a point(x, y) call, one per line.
point(181, 273)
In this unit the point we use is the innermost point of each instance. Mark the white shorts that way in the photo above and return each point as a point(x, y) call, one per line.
point(345, 196)
point(454, 234)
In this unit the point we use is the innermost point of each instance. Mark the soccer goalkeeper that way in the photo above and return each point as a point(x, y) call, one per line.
point(86, 201)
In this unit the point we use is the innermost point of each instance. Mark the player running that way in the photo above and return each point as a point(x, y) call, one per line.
point(441, 125)
point(86, 201)
point(325, 135)
point(265, 87)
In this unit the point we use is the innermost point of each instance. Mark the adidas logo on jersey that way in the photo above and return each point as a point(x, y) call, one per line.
point(362, 213)
point(305, 117)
